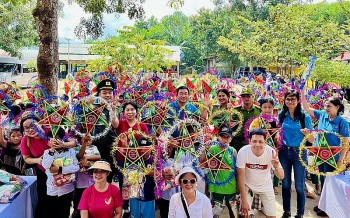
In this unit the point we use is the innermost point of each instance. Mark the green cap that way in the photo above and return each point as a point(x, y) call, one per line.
point(246, 91)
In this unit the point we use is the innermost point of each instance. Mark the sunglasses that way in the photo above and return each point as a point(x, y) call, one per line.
point(99, 171)
point(185, 181)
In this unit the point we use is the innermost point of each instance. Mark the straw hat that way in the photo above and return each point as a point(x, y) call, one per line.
point(101, 165)
point(184, 171)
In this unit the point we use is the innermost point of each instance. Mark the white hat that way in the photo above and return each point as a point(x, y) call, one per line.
point(183, 171)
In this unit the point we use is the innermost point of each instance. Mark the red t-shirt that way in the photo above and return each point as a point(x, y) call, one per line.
point(124, 127)
point(100, 204)
point(36, 148)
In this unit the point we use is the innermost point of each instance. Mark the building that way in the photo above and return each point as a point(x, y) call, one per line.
point(73, 57)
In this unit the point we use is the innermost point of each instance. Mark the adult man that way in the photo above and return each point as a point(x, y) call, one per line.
point(254, 164)
point(183, 109)
point(105, 90)
point(248, 110)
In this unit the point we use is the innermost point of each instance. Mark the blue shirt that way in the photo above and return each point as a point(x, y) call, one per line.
point(292, 136)
point(187, 111)
point(338, 125)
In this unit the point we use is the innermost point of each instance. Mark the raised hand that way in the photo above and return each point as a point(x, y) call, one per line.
point(275, 162)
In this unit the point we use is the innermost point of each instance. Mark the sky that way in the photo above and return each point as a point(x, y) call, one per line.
point(157, 8)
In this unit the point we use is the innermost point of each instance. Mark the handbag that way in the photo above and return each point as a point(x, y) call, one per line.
point(185, 206)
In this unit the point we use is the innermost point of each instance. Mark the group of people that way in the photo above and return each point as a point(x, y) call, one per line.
point(81, 169)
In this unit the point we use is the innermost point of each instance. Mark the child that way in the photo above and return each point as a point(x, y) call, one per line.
point(226, 191)
point(87, 154)
point(13, 161)
point(143, 206)
point(61, 165)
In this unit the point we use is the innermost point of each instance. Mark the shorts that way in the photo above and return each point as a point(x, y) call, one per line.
point(267, 199)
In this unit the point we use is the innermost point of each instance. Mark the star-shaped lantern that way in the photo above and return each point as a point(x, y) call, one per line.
point(55, 117)
point(324, 153)
point(92, 117)
point(214, 163)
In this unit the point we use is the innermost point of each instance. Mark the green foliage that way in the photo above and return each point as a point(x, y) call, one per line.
point(93, 26)
point(328, 71)
point(18, 28)
point(132, 51)
point(288, 36)
point(31, 65)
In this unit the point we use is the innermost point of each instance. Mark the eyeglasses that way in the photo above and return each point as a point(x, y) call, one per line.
point(291, 99)
point(99, 171)
point(185, 181)
point(29, 128)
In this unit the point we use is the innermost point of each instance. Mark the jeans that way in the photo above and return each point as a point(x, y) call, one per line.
point(289, 157)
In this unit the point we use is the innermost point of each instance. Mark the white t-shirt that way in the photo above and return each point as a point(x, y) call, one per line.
point(257, 169)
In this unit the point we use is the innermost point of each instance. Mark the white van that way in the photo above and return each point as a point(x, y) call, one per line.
point(9, 68)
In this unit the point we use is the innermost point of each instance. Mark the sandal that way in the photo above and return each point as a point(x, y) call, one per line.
point(310, 195)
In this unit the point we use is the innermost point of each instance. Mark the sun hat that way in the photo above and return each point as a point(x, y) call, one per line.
point(101, 165)
point(184, 171)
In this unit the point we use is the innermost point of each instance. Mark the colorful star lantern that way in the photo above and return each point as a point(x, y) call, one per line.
point(157, 116)
point(185, 141)
point(231, 117)
point(273, 131)
point(186, 136)
point(323, 153)
point(93, 116)
point(218, 159)
point(55, 118)
point(12, 93)
point(138, 95)
point(134, 156)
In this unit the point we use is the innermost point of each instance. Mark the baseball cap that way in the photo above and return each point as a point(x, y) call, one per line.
point(225, 130)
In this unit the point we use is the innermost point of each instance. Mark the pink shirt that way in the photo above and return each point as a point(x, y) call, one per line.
point(100, 204)
point(35, 149)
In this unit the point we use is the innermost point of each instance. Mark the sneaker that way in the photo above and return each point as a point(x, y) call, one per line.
point(286, 215)
point(298, 216)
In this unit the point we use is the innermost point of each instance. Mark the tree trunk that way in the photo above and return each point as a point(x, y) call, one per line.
point(46, 20)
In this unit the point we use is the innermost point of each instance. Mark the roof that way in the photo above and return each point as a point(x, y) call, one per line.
point(81, 53)
point(345, 58)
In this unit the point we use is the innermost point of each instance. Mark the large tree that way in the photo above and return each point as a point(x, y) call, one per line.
point(46, 20)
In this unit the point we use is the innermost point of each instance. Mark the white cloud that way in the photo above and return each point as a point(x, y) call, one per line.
point(157, 8)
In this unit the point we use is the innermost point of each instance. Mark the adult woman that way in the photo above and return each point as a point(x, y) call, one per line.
point(102, 200)
point(223, 99)
point(266, 106)
point(32, 149)
point(330, 120)
point(295, 124)
point(189, 202)
point(130, 112)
